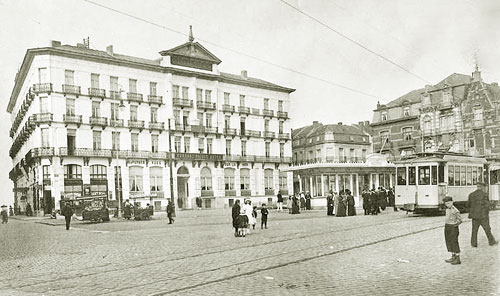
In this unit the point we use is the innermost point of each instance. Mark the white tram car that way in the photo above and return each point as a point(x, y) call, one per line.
point(424, 179)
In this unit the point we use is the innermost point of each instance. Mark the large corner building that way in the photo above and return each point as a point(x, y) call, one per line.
point(97, 123)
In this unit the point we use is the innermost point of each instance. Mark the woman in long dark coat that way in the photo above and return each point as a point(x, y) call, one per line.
point(329, 204)
point(342, 204)
point(302, 202)
point(127, 210)
point(235, 214)
point(295, 205)
point(308, 201)
point(351, 210)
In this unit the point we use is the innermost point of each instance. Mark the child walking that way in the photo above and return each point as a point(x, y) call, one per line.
point(452, 220)
point(263, 220)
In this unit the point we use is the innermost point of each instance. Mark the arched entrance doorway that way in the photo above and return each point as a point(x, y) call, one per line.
point(182, 187)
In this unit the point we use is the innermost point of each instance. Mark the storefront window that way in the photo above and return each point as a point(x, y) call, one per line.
point(135, 179)
point(206, 179)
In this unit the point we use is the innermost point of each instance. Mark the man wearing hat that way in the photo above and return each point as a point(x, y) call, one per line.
point(479, 207)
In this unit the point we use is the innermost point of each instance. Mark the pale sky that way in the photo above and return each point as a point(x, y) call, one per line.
point(430, 38)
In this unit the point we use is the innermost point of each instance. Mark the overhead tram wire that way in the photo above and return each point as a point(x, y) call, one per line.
point(355, 42)
point(236, 51)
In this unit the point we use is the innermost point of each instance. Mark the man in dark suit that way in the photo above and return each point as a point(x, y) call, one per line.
point(67, 212)
point(479, 206)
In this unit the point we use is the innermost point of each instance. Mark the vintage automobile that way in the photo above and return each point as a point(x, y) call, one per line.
point(95, 208)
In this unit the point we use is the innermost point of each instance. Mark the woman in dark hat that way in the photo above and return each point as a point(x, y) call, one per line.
point(235, 214)
point(351, 210)
point(342, 204)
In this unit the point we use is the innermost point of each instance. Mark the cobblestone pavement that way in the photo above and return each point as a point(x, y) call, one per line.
point(307, 254)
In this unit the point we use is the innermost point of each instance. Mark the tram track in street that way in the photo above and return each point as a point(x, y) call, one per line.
point(288, 237)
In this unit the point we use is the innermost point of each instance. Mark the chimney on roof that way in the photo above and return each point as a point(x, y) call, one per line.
point(340, 123)
point(361, 123)
point(315, 123)
point(54, 43)
point(109, 50)
point(367, 122)
point(244, 74)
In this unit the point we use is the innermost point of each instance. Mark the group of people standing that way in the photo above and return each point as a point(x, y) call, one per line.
point(341, 204)
point(245, 217)
point(299, 201)
point(376, 200)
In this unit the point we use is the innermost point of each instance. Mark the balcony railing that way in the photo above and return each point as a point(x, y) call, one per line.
point(250, 133)
point(70, 118)
point(134, 97)
point(116, 95)
point(204, 129)
point(243, 110)
point(42, 87)
point(227, 108)
point(157, 125)
point(139, 154)
point(180, 127)
point(71, 89)
point(102, 121)
point(136, 124)
point(230, 131)
point(182, 102)
point(269, 191)
point(116, 122)
point(255, 111)
point(282, 114)
point(267, 112)
point(86, 152)
point(268, 134)
point(230, 192)
point(40, 152)
point(43, 117)
point(246, 192)
point(97, 92)
point(207, 192)
point(246, 158)
point(284, 136)
point(155, 99)
point(205, 105)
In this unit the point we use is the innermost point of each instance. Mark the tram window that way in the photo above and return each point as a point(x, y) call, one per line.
point(462, 175)
point(457, 175)
point(401, 176)
point(474, 175)
point(424, 175)
point(469, 176)
point(434, 175)
point(441, 173)
point(411, 176)
point(451, 175)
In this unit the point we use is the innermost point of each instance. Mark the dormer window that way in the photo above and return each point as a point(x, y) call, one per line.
point(328, 136)
point(426, 100)
point(383, 116)
point(446, 98)
point(406, 111)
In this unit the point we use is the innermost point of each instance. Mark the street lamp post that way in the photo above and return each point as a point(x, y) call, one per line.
point(118, 189)
point(170, 164)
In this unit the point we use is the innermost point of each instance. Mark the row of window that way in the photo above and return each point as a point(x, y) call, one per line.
point(384, 115)
point(310, 155)
point(325, 137)
point(177, 91)
point(458, 175)
point(74, 172)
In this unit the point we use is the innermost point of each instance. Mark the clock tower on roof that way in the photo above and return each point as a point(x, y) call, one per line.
point(190, 55)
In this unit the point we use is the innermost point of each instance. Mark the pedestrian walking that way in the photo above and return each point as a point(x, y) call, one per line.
point(452, 221)
point(199, 202)
point(280, 201)
point(67, 212)
point(5, 216)
point(235, 214)
point(351, 209)
point(254, 215)
point(127, 210)
point(302, 202)
point(295, 205)
point(29, 211)
point(171, 212)
point(289, 204)
point(329, 204)
point(382, 198)
point(11, 211)
point(392, 199)
point(308, 201)
point(478, 205)
point(366, 201)
point(263, 219)
point(374, 202)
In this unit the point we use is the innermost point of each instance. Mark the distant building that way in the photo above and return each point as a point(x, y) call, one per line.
point(97, 123)
point(337, 157)
point(459, 114)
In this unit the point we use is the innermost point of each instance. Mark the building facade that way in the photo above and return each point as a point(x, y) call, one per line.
point(97, 123)
point(337, 157)
point(459, 114)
